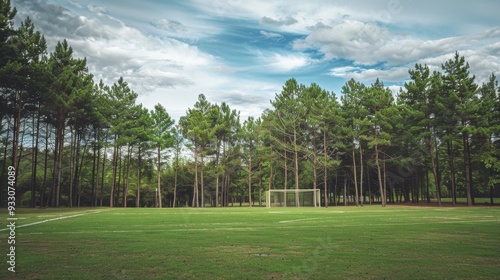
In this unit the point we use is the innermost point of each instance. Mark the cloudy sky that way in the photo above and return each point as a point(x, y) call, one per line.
point(242, 51)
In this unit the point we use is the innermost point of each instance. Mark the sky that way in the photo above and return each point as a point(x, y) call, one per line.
point(242, 51)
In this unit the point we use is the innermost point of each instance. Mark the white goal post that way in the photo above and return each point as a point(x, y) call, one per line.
point(284, 198)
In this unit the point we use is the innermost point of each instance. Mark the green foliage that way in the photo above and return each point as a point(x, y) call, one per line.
point(162, 125)
point(87, 135)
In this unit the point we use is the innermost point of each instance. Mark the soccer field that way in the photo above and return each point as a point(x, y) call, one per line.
point(368, 242)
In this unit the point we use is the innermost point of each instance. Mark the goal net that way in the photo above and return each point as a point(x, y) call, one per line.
point(290, 198)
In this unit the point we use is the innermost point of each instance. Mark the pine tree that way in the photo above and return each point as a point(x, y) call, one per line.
point(68, 75)
point(461, 90)
point(289, 114)
point(379, 103)
point(420, 109)
point(355, 127)
point(162, 138)
point(178, 141)
point(488, 128)
point(22, 79)
point(198, 128)
point(121, 110)
point(248, 137)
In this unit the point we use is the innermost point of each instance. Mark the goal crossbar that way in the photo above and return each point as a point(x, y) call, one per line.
point(290, 197)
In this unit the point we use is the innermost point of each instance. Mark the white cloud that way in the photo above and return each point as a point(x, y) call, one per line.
point(287, 63)
point(493, 49)
point(271, 35)
point(367, 43)
point(344, 71)
point(250, 97)
point(74, 3)
point(160, 69)
point(348, 39)
point(278, 22)
point(148, 44)
point(97, 9)
point(169, 25)
point(364, 31)
point(396, 74)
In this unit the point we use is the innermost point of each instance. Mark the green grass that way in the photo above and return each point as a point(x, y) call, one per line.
point(367, 242)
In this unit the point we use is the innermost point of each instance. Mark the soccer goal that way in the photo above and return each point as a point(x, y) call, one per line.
point(284, 198)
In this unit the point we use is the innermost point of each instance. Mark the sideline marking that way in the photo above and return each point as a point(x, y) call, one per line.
point(298, 220)
point(257, 228)
point(54, 219)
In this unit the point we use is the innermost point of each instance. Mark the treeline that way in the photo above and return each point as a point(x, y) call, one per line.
point(75, 142)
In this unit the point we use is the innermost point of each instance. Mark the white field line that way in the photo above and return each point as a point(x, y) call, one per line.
point(266, 228)
point(298, 220)
point(54, 219)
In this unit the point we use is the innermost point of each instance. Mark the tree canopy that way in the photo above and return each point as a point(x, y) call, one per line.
point(79, 142)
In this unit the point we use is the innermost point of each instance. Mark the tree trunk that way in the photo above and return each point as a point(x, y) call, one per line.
point(325, 175)
point(492, 188)
point(271, 175)
point(345, 190)
point(127, 178)
point(52, 196)
point(59, 165)
point(139, 163)
point(384, 182)
point(368, 180)
point(260, 183)
point(58, 155)
point(77, 166)
point(175, 185)
point(21, 150)
point(44, 202)
point(286, 178)
point(195, 184)
point(438, 172)
point(71, 167)
point(434, 173)
point(451, 163)
point(119, 183)
point(315, 175)
point(102, 174)
point(216, 189)
point(79, 173)
point(202, 183)
point(296, 154)
point(467, 169)
point(113, 183)
point(94, 176)
point(361, 173)
point(470, 174)
point(335, 196)
point(35, 159)
point(355, 174)
point(379, 171)
point(17, 130)
point(227, 190)
point(250, 174)
point(4, 162)
point(159, 176)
